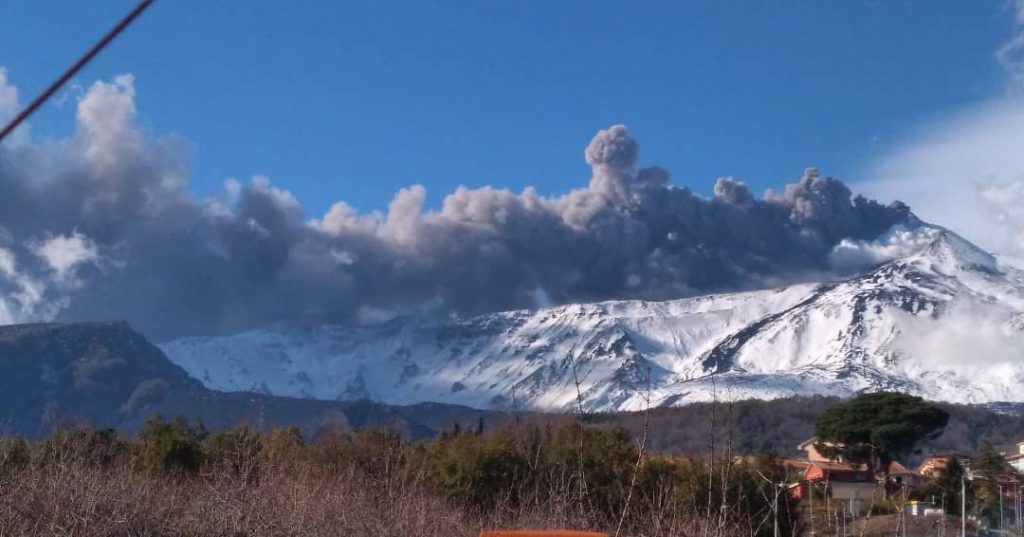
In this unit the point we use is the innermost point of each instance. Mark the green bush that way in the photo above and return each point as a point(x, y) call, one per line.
point(608, 456)
point(377, 452)
point(284, 445)
point(238, 451)
point(171, 446)
point(477, 470)
point(70, 443)
point(14, 454)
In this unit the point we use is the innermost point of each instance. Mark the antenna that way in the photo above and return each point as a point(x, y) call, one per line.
point(77, 66)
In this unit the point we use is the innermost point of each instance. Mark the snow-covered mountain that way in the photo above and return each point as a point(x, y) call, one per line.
point(945, 321)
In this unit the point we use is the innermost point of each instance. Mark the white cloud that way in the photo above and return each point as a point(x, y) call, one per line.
point(965, 171)
point(853, 255)
point(9, 107)
point(22, 297)
point(1011, 55)
point(962, 172)
point(105, 122)
point(967, 335)
point(27, 295)
point(8, 96)
point(64, 254)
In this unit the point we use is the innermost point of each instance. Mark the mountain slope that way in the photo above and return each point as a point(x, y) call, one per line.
point(944, 321)
point(108, 375)
point(82, 372)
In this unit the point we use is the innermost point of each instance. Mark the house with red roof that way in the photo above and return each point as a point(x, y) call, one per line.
point(854, 486)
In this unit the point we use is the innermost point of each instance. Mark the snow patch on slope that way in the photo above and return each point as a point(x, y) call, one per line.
point(944, 320)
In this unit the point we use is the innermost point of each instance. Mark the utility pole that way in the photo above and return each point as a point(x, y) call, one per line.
point(963, 506)
point(776, 509)
point(810, 495)
point(1001, 524)
point(945, 517)
point(963, 501)
point(903, 510)
point(778, 486)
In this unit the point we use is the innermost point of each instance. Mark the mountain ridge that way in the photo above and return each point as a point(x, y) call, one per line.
point(105, 374)
point(835, 338)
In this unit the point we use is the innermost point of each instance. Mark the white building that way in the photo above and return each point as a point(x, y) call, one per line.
point(1017, 461)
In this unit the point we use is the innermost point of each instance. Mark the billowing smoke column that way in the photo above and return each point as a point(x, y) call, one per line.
point(100, 226)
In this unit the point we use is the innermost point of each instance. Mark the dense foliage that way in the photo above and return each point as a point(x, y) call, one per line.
point(557, 474)
point(988, 469)
point(877, 428)
point(777, 426)
point(945, 490)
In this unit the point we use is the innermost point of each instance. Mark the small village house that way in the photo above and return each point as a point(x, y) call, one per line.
point(854, 487)
point(934, 465)
point(812, 454)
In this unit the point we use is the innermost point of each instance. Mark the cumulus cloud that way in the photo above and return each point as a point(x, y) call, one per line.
point(103, 227)
point(64, 254)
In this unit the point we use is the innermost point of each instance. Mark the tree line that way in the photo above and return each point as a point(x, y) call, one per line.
point(563, 474)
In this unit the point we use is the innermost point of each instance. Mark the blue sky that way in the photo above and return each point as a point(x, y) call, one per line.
point(351, 101)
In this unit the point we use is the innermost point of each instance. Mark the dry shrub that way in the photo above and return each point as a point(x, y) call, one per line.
point(275, 485)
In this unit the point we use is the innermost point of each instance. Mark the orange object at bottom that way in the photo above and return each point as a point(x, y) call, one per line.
point(540, 533)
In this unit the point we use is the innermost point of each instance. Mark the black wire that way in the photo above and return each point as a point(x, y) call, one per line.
point(70, 72)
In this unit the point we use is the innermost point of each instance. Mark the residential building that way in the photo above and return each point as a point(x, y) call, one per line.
point(900, 475)
point(1017, 459)
point(852, 486)
point(812, 454)
point(933, 465)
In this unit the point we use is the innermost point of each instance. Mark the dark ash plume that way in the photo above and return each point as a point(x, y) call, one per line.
point(100, 226)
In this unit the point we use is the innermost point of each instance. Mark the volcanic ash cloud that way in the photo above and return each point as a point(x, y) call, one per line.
point(100, 226)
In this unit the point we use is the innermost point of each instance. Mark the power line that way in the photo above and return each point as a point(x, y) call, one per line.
point(77, 66)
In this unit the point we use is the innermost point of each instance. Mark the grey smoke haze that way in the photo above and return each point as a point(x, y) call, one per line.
point(100, 226)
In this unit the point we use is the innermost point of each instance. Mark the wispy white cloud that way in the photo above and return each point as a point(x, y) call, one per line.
point(854, 255)
point(9, 107)
point(968, 330)
point(959, 171)
point(22, 295)
point(965, 170)
point(8, 96)
point(1011, 54)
